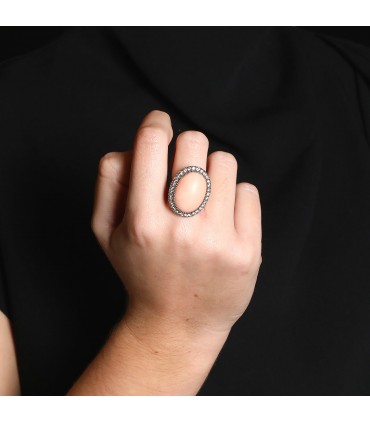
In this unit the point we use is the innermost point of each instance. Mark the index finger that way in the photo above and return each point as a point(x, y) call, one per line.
point(148, 177)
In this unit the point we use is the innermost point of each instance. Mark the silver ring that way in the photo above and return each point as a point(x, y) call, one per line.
point(176, 180)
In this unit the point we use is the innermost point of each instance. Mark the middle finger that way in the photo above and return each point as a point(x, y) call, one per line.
point(191, 150)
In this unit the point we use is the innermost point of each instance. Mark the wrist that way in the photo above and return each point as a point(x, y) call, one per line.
point(176, 359)
point(172, 335)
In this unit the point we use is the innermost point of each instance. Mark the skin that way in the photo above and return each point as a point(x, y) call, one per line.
point(9, 381)
point(186, 286)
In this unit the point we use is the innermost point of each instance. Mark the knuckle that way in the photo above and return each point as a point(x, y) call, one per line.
point(108, 162)
point(181, 238)
point(248, 261)
point(213, 245)
point(96, 227)
point(140, 233)
point(93, 225)
point(196, 138)
point(100, 233)
point(150, 135)
point(219, 254)
point(225, 158)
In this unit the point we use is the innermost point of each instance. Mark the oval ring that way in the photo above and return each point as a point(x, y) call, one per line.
point(176, 180)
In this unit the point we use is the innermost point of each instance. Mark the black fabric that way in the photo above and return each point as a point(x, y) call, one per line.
point(3, 305)
point(294, 109)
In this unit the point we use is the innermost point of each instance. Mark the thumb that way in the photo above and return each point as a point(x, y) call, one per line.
point(110, 194)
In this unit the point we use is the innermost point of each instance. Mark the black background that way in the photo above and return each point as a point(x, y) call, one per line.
point(301, 135)
point(17, 40)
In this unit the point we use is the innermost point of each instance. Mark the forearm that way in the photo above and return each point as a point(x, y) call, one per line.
point(144, 357)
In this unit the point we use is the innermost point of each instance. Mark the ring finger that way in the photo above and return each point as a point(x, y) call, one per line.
point(222, 169)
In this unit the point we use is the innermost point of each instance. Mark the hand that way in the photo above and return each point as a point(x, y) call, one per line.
point(194, 274)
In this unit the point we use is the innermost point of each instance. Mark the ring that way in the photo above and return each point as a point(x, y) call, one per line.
point(171, 191)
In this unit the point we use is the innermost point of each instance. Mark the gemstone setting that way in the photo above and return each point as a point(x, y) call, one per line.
point(172, 189)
